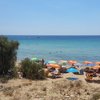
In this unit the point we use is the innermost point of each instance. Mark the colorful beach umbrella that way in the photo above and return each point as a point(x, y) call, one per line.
point(78, 64)
point(53, 66)
point(51, 62)
point(35, 59)
point(88, 62)
point(96, 67)
point(71, 62)
point(63, 62)
point(90, 65)
point(72, 70)
point(97, 63)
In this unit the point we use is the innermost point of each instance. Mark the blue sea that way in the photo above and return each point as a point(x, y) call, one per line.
point(78, 48)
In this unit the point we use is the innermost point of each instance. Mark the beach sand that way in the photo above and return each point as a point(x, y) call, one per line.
point(49, 89)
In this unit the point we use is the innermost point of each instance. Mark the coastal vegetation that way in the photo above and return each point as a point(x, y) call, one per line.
point(8, 56)
point(31, 69)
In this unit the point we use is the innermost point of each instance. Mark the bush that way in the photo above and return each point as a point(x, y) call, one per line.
point(8, 52)
point(31, 69)
point(13, 72)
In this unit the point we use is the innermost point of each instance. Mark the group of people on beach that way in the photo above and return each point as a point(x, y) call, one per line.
point(57, 72)
point(90, 73)
point(52, 72)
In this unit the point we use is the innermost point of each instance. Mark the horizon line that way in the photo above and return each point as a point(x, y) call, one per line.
point(47, 35)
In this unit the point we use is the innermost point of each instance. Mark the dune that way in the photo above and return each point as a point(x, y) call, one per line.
point(50, 89)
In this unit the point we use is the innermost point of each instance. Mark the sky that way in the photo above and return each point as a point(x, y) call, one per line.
point(49, 17)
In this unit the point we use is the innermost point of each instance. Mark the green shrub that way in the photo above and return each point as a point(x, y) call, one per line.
point(8, 52)
point(31, 69)
point(14, 73)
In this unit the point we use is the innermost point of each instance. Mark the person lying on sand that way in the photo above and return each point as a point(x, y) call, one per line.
point(98, 73)
point(89, 75)
point(55, 73)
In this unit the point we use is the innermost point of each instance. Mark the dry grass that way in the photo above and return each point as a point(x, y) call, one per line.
point(95, 96)
point(51, 89)
point(8, 91)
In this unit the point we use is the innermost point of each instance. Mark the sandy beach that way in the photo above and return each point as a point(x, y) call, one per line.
point(50, 50)
point(49, 89)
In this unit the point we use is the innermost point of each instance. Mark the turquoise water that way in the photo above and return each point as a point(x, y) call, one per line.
point(78, 48)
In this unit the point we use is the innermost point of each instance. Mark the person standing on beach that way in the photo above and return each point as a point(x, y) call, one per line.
point(42, 61)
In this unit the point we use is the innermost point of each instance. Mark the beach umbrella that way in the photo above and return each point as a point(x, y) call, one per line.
point(72, 70)
point(97, 63)
point(53, 66)
point(78, 64)
point(90, 65)
point(51, 62)
point(96, 67)
point(71, 62)
point(87, 62)
point(35, 59)
point(63, 62)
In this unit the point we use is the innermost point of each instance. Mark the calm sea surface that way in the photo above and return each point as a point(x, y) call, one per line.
point(78, 48)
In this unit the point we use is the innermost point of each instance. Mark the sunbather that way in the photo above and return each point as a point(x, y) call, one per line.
point(89, 76)
point(55, 73)
point(98, 73)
